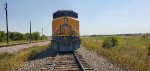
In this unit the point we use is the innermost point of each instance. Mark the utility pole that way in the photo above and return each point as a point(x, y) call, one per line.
point(42, 35)
point(5, 6)
point(30, 32)
point(42, 31)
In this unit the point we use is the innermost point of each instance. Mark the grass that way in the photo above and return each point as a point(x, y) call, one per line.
point(131, 52)
point(8, 61)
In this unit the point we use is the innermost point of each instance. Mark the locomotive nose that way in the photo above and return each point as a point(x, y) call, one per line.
point(65, 26)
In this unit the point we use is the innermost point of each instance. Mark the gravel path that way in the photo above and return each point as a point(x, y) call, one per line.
point(97, 62)
point(16, 48)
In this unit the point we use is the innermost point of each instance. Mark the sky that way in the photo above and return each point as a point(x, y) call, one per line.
point(95, 16)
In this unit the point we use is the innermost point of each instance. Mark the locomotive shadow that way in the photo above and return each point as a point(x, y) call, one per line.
point(50, 52)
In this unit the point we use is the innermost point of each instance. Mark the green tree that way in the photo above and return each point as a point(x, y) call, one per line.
point(16, 36)
point(36, 35)
point(26, 36)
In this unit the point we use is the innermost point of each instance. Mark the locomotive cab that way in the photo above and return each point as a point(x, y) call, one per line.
point(65, 31)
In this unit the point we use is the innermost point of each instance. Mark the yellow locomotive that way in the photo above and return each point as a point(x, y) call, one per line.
point(65, 31)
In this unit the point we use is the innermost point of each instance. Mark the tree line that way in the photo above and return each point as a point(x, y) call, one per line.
point(15, 36)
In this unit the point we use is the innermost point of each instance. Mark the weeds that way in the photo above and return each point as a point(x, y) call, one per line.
point(130, 52)
point(8, 61)
point(6, 55)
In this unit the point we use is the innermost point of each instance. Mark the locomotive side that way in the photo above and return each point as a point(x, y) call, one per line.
point(65, 31)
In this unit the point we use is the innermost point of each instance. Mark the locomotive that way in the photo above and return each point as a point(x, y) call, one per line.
point(65, 31)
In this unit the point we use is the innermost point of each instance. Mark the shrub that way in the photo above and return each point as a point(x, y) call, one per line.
point(110, 42)
point(43, 37)
point(16, 36)
point(148, 49)
point(36, 35)
point(2, 36)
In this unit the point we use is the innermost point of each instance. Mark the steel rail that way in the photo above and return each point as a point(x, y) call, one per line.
point(53, 65)
point(76, 59)
point(80, 64)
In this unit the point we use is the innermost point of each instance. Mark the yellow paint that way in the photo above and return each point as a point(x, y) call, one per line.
point(73, 26)
point(66, 35)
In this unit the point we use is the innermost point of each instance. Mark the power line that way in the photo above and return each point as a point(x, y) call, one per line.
point(5, 1)
point(2, 10)
point(2, 13)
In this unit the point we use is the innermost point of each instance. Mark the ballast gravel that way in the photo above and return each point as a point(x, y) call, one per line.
point(35, 65)
point(97, 62)
point(45, 60)
point(16, 48)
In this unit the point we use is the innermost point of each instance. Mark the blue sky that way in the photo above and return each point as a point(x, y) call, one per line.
point(95, 16)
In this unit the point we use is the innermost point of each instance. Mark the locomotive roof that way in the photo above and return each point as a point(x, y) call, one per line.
point(61, 13)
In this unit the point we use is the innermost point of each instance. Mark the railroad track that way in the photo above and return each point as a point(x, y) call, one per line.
point(68, 61)
point(18, 44)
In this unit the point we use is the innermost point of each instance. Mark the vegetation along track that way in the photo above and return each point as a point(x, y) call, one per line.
point(68, 61)
point(8, 45)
